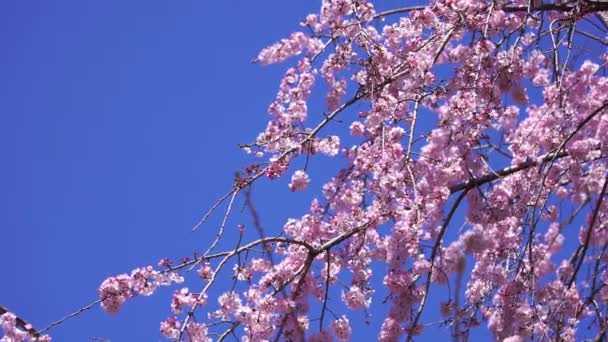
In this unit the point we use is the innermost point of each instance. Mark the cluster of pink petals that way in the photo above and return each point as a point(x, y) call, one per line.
point(289, 47)
point(194, 332)
point(341, 328)
point(329, 146)
point(11, 333)
point(116, 290)
point(184, 298)
point(299, 181)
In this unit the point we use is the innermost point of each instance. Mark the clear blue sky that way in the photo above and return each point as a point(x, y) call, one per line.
point(119, 126)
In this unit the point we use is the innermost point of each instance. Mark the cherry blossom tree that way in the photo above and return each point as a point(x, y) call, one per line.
point(474, 143)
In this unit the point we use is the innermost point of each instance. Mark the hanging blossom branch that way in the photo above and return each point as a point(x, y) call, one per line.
point(483, 114)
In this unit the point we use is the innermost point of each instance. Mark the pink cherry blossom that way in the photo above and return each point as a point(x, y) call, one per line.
point(13, 333)
point(116, 290)
point(341, 328)
point(184, 299)
point(299, 181)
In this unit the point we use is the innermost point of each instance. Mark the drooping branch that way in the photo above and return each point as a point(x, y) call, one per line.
point(531, 162)
point(400, 11)
point(436, 248)
point(581, 258)
point(587, 7)
point(509, 170)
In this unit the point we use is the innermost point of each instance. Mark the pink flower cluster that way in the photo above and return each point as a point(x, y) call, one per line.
point(185, 298)
point(289, 47)
point(194, 332)
point(116, 290)
point(341, 328)
point(299, 181)
point(8, 323)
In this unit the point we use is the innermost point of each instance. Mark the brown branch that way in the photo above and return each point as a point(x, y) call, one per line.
point(306, 268)
point(399, 11)
point(590, 7)
point(220, 232)
point(581, 259)
point(558, 153)
point(436, 247)
point(257, 223)
point(229, 331)
point(326, 294)
point(587, 7)
point(509, 170)
point(215, 206)
point(338, 239)
point(591, 36)
point(73, 314)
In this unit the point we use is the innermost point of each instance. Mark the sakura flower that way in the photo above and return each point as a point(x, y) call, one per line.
point(8, 322)
point(205, 272)
point(355, 299)
point(198, 332)
point(142, 280)
point(184, 298)
point(114, 291)
point(341, 328)
point(329, 146)
point(299, 181)
point(288, 47)
point(170, 328)
point(421, 266)
point(276, 168)
point(230, 304)
point(357, 129)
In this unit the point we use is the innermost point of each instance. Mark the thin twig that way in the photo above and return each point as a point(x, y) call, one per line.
point(399, 11)
point(75, 313)
point(220, 232)
point(210, 211)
